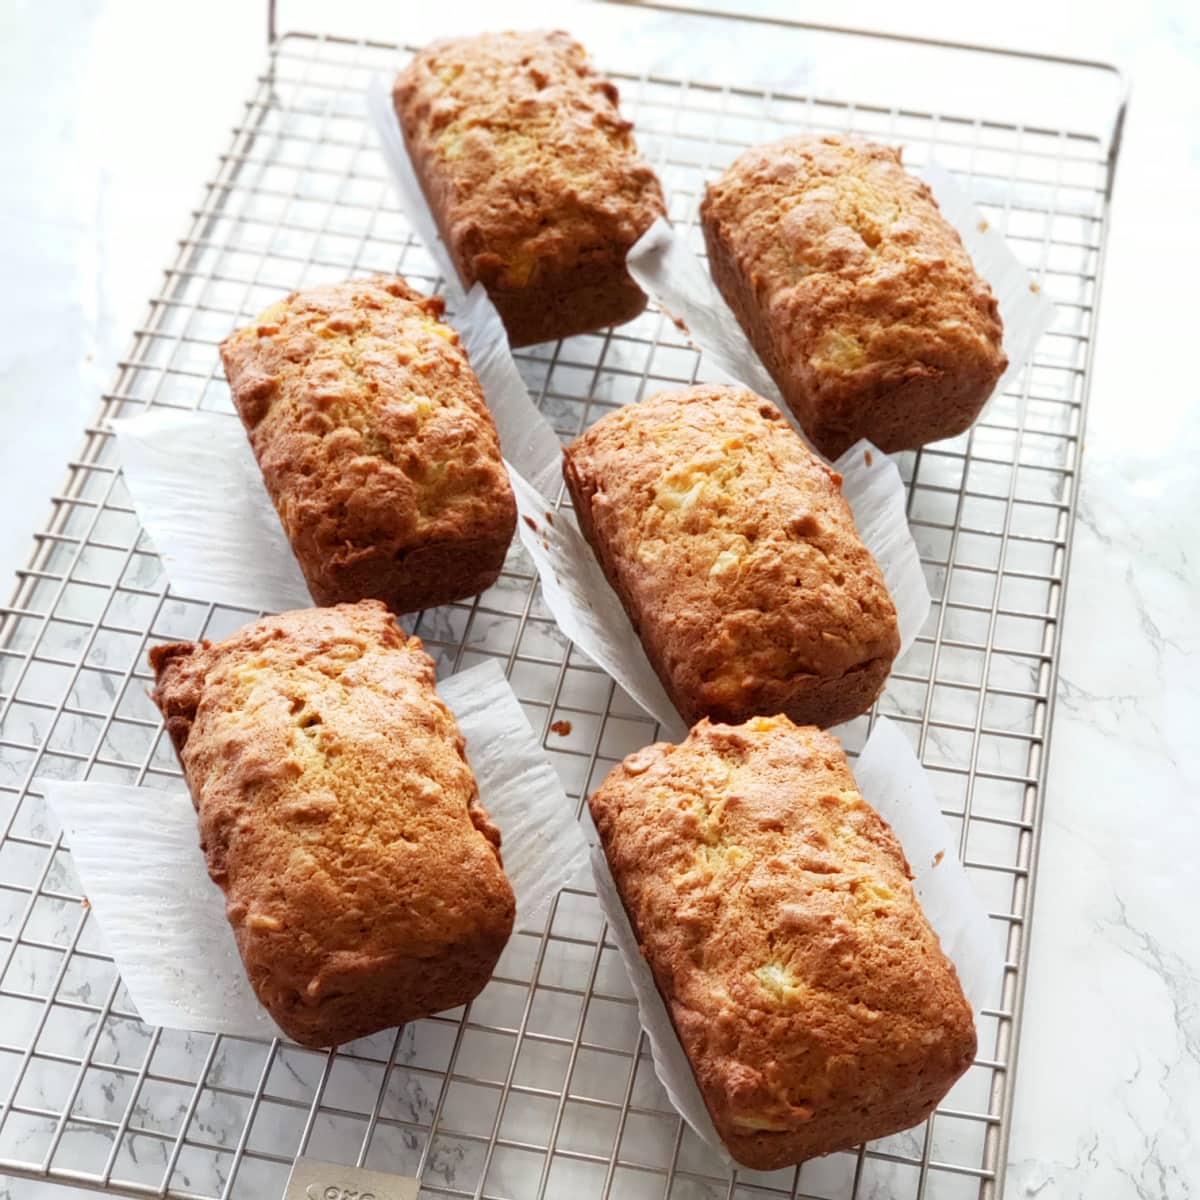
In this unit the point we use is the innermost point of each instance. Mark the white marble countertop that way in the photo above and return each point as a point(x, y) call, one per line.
point(1108, 1095)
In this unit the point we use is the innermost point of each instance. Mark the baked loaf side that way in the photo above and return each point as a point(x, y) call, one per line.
point(340, 817)
point(775, 910)
point(532, 176)
point(375, 444)
point(736, 557)
point(856, 292)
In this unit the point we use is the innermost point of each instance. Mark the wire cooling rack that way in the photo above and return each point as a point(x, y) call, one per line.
point(544, 1086)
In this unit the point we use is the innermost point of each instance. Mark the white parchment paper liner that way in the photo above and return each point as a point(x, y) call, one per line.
point(892, 780)
point(137, 853)
point(200, 495)
point(590, 613)
point(529, 444)
point(382, 114)
point(669, 272)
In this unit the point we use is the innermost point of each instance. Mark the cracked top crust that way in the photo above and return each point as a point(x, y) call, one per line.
point(775, 908)
point(337, 809)
point(531, 171)
point(733, 549)
point(856, 291)
point(372, 434)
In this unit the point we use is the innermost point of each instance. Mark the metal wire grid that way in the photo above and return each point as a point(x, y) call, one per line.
point(545, 1086)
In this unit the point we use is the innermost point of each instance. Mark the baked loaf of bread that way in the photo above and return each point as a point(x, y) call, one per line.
point(533, 178)
point(855, 290)
point(774, 908)
point(340, 817)
point(736, 557)
point(375, 444)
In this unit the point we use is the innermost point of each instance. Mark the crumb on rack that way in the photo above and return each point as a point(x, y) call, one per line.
point(530, 522)
point(937, 858)
point(84, 902)
point(549, 517)
point(983, 225)
point(1035, 286)
point(681, 325)
point(868, 457)
point(562, 728)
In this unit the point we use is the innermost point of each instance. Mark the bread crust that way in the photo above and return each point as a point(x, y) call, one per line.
point(775, 909)
point(340, 817)
point(854, 289)
point(375, 444)
point(736, 557)
point(533, 177)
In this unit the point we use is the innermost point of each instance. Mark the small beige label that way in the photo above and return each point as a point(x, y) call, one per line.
point(312, 1179)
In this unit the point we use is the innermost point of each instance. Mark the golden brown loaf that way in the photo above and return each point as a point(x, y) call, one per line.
point(375, 444)
point(736, 557)
point(774, 908)
point(855, 291)
point(533, 177)
point(340, 817)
